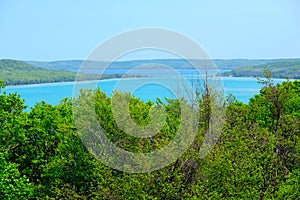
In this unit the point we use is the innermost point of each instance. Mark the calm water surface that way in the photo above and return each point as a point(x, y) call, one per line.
point(242, 88)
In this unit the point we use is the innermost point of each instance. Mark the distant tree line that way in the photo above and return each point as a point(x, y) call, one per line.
point(20, 73)
point(288, 69)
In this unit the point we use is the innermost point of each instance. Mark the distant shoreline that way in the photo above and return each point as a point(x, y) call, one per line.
point(111, 79)
point(31, 74)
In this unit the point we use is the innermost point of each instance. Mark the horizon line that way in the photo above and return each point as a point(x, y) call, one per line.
point(152, 59)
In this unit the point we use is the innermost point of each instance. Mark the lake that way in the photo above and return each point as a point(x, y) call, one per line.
point(241, 88)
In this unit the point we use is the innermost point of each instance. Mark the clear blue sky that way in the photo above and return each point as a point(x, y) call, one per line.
point(65, 29)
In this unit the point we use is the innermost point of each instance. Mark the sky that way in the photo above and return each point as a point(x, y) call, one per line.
point(63, 29)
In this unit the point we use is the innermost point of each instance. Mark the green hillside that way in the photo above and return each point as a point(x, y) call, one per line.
point(74, 65)
point(286, 69)
point(14, 72)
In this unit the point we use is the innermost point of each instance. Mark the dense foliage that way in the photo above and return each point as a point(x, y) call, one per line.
point(256, 157)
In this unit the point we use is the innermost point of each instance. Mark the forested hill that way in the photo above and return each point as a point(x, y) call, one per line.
point(14, 72)
point(286, 69)
point(228, 64)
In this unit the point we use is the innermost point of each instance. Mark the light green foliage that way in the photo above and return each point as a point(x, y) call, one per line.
point(290, 189)
point(257, 156)
point(1, 84)
point(13, 185)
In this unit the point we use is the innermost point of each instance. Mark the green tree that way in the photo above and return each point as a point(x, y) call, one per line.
point(12, 184)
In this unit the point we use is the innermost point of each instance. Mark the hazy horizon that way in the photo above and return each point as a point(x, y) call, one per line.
point(148, 59)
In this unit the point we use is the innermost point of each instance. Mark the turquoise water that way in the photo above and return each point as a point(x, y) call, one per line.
point(241, 88)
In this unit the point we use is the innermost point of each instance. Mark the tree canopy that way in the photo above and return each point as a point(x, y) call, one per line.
point(257, 156)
